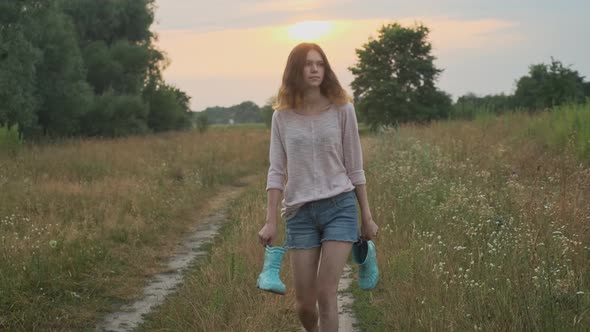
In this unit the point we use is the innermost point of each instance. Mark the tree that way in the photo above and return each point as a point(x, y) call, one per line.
point(468, 105)
point(266, 111)
point(245, 112)
point(548, 86)
point(395, 78)
point(168, 108)
point(114, 115)
point(64, 94)
point(18, 59)
point(202, 123)
point(84, 67)
point(111, 20)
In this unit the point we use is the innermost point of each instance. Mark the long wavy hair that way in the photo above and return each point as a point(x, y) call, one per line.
point(292, 89)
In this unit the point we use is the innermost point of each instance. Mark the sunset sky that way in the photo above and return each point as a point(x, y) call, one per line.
point(224, 52)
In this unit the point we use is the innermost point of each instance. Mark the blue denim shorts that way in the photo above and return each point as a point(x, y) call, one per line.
point(330, 219)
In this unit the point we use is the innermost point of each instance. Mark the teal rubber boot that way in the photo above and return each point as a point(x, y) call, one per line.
point(364, 254)
point(269, 279)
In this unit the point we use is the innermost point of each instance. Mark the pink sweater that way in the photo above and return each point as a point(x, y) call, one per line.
point(321, 153)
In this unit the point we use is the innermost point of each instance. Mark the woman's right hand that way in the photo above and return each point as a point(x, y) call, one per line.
point(267, 233)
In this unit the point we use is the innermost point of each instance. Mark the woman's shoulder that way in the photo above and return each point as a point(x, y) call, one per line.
point(281, 116)
point(281, 113)
point(346, 108)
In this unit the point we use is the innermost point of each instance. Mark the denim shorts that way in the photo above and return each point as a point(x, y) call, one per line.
point(330, 219)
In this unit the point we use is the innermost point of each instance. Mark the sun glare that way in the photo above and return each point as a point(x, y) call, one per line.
point(310, 30)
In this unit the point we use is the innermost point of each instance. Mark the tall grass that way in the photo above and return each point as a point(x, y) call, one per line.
point(221, 294)
point(10, 140)
point(84, 222)
point(566, 127)
point(482, 228)
point(561, 129)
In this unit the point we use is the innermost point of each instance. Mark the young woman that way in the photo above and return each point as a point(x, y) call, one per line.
point(314, 139)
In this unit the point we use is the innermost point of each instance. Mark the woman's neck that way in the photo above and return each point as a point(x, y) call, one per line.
point(312, 99)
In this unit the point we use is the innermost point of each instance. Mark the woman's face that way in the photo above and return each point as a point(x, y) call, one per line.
point(313, 71)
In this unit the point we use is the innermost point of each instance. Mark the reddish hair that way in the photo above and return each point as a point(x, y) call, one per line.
point(291, 92)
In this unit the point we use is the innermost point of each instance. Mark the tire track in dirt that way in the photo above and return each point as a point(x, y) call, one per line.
point(159, 286)
point(128, 317)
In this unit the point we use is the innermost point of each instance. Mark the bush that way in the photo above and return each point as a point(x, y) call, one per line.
point(202, 123)
point(114, 116)
point(10, 140)
point(565, 127)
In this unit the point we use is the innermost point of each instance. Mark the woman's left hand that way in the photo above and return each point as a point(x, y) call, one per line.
point(369, 229)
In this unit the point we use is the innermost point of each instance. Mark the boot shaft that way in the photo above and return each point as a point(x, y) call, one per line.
point(273, 257)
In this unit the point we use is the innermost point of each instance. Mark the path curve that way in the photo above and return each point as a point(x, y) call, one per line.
point(130, 316)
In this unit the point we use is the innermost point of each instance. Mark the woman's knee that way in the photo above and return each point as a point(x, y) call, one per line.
point(327, 297)
point(305, 307)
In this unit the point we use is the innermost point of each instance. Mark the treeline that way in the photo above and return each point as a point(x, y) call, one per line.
point(246, 112)
point(546, 86)
point(84, 68)
point(396, 82)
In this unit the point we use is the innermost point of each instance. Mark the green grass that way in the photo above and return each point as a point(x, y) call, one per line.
point(218, 126)
point(84, 222)
point(565, 128)
point(481, 229)
point(483, 226)
point(10, 142)
point(220, 294)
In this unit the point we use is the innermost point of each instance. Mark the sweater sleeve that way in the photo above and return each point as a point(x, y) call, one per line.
point(351, 147)
point(277, 157)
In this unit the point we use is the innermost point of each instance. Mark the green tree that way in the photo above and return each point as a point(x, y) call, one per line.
point(548, 86)
point(168, 108)
point(111, 20)
point(102, 68)
point(121, 60)
point(267, 111)
point(468, 105)
point(114, 115)
point(245, 112)
point(395, 78)
point(202, 123)
point(18, 59)
point(84, 67)
point(64, 94)
point(116, 43)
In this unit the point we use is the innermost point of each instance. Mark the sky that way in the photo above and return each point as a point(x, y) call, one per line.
point(224, 52)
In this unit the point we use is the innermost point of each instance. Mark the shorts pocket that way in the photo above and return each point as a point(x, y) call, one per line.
point(345, 201)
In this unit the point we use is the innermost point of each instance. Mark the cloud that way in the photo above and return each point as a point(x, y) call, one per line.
point(238, 54)
point(273, 6)
point(270, 6)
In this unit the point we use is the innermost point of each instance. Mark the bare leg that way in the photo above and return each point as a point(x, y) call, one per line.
point(304, 263)
point(333, 259)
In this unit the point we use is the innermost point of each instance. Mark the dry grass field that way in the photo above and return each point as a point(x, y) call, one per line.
point(82, 223)
point(485, 225)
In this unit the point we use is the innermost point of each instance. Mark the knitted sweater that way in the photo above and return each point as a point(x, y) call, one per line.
point(314, 156)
